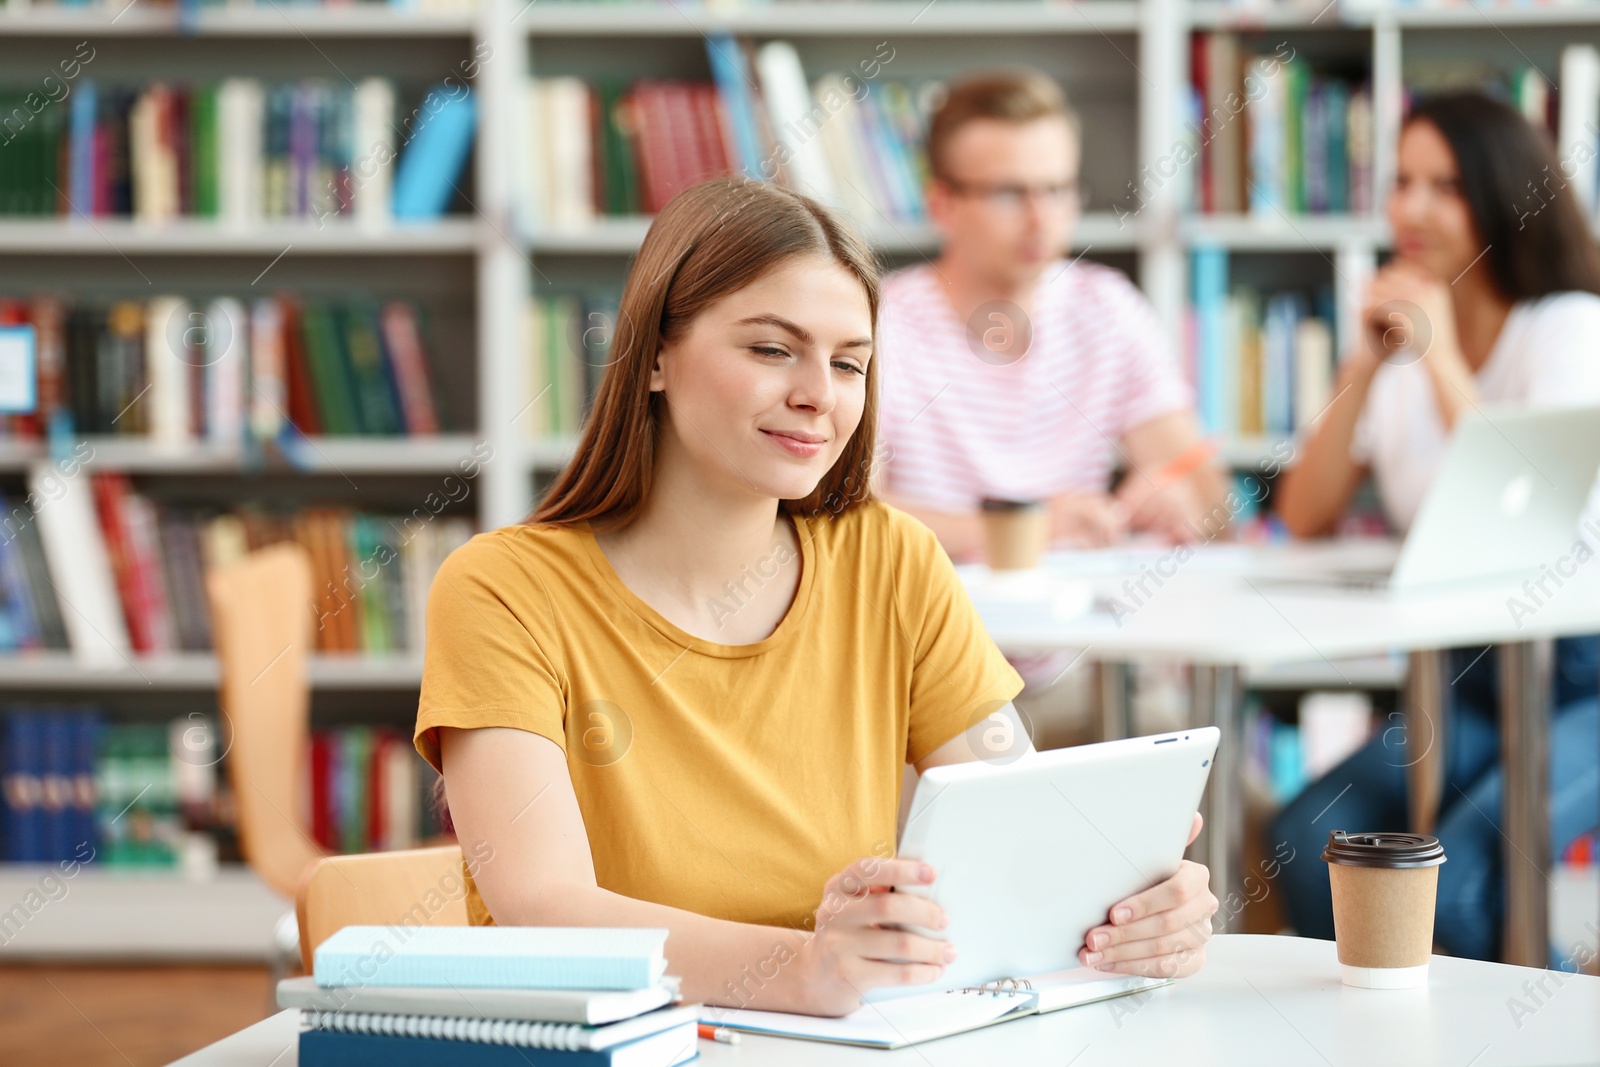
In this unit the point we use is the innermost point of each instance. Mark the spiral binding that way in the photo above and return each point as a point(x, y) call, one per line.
point(568, 1037)
point(1013, 987)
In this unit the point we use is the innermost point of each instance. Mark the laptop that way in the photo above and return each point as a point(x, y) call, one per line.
point(1509, 498)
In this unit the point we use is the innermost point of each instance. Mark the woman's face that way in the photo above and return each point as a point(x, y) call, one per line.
point(766, 387)
point(1430, 218)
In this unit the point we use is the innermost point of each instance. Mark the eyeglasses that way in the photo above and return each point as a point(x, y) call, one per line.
point(1008, 197)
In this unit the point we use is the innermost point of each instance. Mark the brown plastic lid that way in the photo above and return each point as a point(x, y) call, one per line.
point(1392, 851)
point(991, 503)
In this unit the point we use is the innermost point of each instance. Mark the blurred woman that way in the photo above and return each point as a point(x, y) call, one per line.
point(1491, 297)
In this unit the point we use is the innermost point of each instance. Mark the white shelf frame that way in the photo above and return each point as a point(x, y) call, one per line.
point(320, 455)
point(843, 19)
point(106, 236)
point(111, 913)
point(197, 672)
point(265, 19)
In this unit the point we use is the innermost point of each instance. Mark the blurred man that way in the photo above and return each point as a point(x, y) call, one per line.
point(1011, 372)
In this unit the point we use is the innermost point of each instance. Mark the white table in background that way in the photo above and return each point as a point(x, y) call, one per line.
point(1224, 609)
point(1258, 1000)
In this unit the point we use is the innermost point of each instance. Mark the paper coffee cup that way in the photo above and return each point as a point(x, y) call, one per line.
point(1015, 533)
point(1384, 888)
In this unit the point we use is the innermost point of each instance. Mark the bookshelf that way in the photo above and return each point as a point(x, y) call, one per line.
point(1125, 64)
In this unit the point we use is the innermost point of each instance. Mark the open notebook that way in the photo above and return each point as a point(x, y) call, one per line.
point(925, 1016)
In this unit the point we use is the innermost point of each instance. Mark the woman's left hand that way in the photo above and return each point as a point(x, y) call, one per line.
point(1161, 932)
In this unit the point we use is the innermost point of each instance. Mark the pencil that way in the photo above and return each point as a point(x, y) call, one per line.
point(719, 1034)
point(1186, 462)
point(1174, 470)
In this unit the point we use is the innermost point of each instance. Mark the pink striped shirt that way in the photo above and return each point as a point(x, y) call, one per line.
point(960, 428)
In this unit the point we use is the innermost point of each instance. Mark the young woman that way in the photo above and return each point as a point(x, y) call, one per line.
point(682, 694)
point(1491, 298)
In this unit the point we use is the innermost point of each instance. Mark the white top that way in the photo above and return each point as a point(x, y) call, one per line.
point(1259, 999)
point(959, 427)
point(1547, 353)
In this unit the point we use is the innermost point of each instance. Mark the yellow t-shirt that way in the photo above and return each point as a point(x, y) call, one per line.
point(729, 780)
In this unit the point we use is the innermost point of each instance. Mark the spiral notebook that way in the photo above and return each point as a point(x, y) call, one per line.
point(922, 1017)
point(358, 1039)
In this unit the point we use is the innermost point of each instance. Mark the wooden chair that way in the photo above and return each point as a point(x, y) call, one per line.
point(261, 629)
point(414, 887)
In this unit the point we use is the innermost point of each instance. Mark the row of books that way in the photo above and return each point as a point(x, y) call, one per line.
point(1275, 137)
point(237, 150)
point(615, 148)
point(569, 344)
point(482, 995)
point(133, 569)
point(368, 790)
point(1261, 364)
point(425, 6)
point(225, 370)
point(79, 786)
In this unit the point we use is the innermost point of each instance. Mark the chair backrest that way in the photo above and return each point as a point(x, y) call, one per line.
point(261, 627)
point(413, 887)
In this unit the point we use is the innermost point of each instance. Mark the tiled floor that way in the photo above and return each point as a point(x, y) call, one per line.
point(123, 1016)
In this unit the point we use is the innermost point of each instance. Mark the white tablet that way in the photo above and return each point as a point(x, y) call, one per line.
point(1032, 854)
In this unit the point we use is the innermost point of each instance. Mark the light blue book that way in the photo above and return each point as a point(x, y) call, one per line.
point(732, 75)
point(80, 149)
point(431, 165)
point(493, 957)
point(1213, 380)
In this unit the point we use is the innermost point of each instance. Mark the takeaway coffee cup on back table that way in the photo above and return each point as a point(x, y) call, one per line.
point(1384, 888)
point(1015, 533)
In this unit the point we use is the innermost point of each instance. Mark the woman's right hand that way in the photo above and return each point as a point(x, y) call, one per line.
point(855, 946)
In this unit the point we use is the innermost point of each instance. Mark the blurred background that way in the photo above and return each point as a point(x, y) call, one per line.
point(385, 243)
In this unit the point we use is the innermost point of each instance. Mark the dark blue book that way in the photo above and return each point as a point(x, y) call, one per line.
point(85, 744)
point(20, 763)
point(60, 813)
point(336, 1048)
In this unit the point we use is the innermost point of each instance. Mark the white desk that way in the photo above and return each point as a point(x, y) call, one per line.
point(1259, 1000)
point(1221, 610)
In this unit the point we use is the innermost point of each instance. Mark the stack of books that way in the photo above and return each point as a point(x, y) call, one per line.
point(483, 996)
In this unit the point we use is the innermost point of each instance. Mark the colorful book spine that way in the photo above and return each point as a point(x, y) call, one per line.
point(1276, 136)
point(236, 151)
point(79, 787)
point(177, 372)
point(605, 149)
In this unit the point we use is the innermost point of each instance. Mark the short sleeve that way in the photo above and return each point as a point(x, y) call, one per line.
point(488, 658)
point(1153, 383)
point(958, 674)
point(1560, 344)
